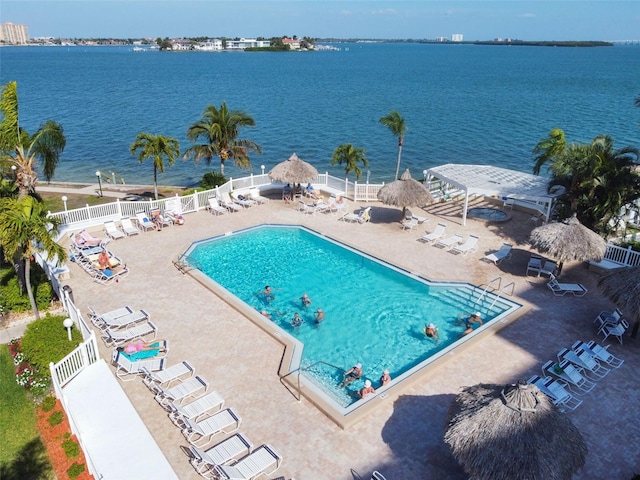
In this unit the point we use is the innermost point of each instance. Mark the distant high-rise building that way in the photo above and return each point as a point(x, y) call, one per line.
point(13, 34)
point(457, 37)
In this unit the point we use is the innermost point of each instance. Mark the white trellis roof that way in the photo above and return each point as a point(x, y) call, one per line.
point(488, 180)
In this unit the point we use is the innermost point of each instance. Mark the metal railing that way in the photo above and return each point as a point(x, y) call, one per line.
point(299, 372)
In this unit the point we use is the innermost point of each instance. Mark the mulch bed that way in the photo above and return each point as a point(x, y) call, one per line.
point(52, 437)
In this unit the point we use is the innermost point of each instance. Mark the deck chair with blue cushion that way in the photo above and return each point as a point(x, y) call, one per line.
point(561, 289)
point(590, 366)
point(556, 391)
point(571, 374)
point(128, 366)
point(204, 406)
point(143, 221)
point(503, 253)
point(223, 453)
point(264, 460)
point(199, 433)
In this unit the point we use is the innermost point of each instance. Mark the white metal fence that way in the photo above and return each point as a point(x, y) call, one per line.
point(623, 256)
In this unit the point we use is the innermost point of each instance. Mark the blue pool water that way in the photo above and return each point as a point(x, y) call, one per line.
point(374, 313)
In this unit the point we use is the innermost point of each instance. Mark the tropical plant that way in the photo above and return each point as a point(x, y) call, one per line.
point(212, 180)
point(218, 129)
point(396, 124)
point(24, 230)
point(156, 147)
point(350, 156)
point(597, 179)
point(20, 149)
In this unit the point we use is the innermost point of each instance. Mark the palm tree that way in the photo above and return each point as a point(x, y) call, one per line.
point(598, 180)
point(156, 147)
point(24, 230)
point(396, 124)
point(219, 129)
point(19, 148)
point(350, 156)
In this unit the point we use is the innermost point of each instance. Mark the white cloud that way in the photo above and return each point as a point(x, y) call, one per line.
point(527, 15)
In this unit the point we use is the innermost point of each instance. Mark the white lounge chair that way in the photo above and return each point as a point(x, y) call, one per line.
point(254, 194)
point(215, 208)
point(101, 318)
point(335, 206)
point(128, 228)
point(503, 253)
point(548, 268)
point(127, 369)
point(602, 354)
point(123, 335)
point(561, 289)
point(582, 359)
point(570, 374)
point(112, 231)
point(471, 245)
point(409, 223)
point(246, 202)
point(608, 317)
point(199, 433)
point(361, 217)
point(449, 242)
point(225, 200)
point(616, 330)
point(143, 222)
point(227, 451)
point(124, 321)
point(192, 387)
point(304, 208)
point(535, 265)
point(556, 391)
point(264, 460)
point(204, 406)
point(437, 233)
point(159, 219)
point(166, 377)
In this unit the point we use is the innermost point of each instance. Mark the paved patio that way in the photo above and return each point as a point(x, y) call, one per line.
point(403, 438)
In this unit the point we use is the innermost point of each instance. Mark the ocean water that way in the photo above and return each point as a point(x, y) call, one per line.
point(462, 103)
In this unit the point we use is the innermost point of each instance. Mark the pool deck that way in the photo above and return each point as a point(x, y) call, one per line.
point(402, 438)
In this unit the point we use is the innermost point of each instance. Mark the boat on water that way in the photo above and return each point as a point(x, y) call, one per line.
point(139, 49)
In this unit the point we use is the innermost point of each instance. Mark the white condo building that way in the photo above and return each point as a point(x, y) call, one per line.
point(457, 37)
point(13, 34)
point(247, 43)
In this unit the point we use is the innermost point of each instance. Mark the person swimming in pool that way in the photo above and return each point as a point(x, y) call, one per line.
point(431, 331)
point(469, 321)
point(296, 321)
point(268, 295)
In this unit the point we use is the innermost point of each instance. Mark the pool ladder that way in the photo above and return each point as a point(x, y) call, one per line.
point(299, 371)
point(500, 289)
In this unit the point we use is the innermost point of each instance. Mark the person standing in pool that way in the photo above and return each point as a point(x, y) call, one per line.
point(268, 294)
point(366, 390)
point(306, 301)
point(319, 316)
point(351, 375)
point(385, 378)
point(296, 321)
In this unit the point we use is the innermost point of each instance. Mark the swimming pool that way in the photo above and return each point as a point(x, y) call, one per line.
point(374, 312)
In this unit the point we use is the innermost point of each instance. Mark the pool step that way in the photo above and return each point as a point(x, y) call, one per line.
point(468, 296)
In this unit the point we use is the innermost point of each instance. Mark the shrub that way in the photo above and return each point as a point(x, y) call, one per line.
point(75, 470)
point(71, 448)
point(48, 403)
point(212, 179)
point(10, 297)
point(46, 341)
point(55, 418)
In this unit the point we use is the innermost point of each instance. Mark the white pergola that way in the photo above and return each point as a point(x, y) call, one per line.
point(507, 185)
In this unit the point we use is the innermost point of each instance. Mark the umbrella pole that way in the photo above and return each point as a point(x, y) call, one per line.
point(559, 269)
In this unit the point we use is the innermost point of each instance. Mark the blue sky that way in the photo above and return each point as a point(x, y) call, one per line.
point(418, 19)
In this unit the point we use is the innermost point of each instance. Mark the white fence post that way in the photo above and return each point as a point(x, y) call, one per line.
point(118, 207)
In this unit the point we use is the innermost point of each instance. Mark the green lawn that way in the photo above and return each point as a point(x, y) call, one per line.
point(22, 454)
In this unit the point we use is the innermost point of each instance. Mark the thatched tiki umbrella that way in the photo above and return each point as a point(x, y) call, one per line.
point(568, 240)
point(622, 287)
point(405, 192)
point(502, 433)
point(293, 170)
